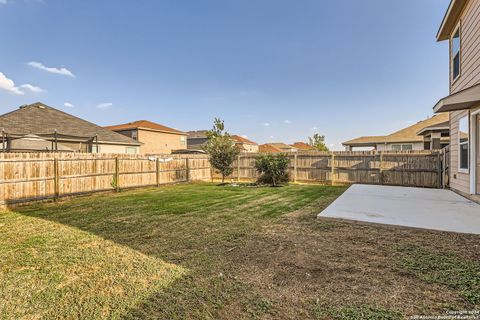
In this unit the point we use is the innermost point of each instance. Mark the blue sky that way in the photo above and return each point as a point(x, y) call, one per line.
point(274, 70)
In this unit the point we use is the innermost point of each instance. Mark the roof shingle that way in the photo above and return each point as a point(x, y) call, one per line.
point(145, 124)
point(408, 134)
point(38, 118)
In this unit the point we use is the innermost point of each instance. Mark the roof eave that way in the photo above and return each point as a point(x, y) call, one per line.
point(429, 129)
point(461, 100)
point(450, 19)
point(137, 144)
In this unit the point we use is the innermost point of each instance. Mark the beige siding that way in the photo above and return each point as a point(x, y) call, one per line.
point(470, 47)
point(113, 148)
point(417, 146)
point(469, 76)
point(248, 147)
point(458, 180)
point(155, 142)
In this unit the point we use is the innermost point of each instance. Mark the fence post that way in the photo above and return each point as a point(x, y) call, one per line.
point(117, 174)
point(381, 167)
point(157, 168)
point(187, 169)
point(440, 171)
point(333, 169)
point(56, 178)
point(212, 172)
point(238, 168)
point(295, 168)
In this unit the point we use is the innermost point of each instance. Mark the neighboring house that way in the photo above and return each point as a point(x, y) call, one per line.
point(461, 27)
point(155, 138)
point(197, 139)
point(302, 146)
point(424, 135)
point(38, 127)
point(267, 148)
point(276, 147)
point(244, 144)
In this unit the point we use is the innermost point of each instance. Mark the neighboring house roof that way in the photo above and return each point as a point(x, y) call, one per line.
point(197, 134)
point(40, 119)
point(282, 146)
point(409, 134)
point(450, 19)
point(243, 140)
point(144, 124)
point(268, 148)
point(303, 146)
point(188, 151)
point(435, 127)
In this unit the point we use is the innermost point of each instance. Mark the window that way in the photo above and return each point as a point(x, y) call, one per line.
point(455, 47)
point(463, 137)
point(130, 150)
point(95, 148)
point(134, 135)
point(402, 147)
point(183, 140)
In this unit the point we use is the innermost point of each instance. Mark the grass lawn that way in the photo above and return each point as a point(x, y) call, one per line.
point(205, 251)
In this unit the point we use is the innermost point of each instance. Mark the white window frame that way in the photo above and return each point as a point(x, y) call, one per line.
point(460, 169)
point(454, 79)
point(134, 149)
point(402, 145)
point(474, 131)
point(96, 147)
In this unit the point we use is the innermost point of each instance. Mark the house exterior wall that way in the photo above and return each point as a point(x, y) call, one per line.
point(113, 148)
point(159, 142)
point(469, 76)
point(388, 147)
point(248, 147)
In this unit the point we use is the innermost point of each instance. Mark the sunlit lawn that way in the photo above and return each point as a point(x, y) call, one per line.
point(208, 251)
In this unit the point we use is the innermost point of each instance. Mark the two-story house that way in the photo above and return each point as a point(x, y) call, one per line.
point(155, 138)
point(461, 27)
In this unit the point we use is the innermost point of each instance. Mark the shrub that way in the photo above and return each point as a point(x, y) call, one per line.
point(273, 169)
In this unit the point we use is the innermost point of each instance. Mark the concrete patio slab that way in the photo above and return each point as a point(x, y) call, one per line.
point(411, 207)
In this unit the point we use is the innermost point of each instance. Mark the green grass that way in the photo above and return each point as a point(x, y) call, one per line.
point(202, 251)
point(443, 268)
point(97, 257)
point(364, 312)
point(53, 271)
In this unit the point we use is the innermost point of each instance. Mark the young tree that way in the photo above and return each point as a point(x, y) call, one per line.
point(221, 148)
point(273, 169)
point(318, 141)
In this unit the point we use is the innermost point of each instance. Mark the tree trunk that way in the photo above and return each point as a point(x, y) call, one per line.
point(223, 178)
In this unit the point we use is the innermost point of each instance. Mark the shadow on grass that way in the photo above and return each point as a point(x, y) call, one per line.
point(194, 226)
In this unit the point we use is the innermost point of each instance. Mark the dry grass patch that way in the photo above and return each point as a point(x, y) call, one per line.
point(53, 271)
point(251, 253)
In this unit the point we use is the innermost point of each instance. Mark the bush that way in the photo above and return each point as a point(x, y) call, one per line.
point(273, 169)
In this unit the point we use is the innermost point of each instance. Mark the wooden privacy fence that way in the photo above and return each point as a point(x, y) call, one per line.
point(414, 168)
point(36, 176)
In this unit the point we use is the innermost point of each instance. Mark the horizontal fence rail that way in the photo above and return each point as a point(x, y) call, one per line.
point(28, 177)
point(406, 168)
